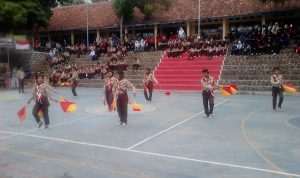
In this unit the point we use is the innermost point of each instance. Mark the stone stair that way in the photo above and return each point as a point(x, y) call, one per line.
point(147, 60)
point(252, 73)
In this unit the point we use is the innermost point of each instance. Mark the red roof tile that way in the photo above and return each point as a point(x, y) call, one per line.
point(102, 15)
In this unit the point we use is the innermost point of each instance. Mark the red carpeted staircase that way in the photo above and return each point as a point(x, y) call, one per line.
point(184, 73)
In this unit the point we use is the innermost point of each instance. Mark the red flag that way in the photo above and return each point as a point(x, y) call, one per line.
point(22, 114)
point(167, 93)
point(67, 106)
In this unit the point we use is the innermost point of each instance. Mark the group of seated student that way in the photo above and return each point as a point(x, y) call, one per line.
point(101, 69)
point(196, 47)
point(267, 39)
point(55, 57)
point(297, 48)
point(60, 74)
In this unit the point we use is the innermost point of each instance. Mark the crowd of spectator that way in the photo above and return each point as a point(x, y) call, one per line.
point(266, 39)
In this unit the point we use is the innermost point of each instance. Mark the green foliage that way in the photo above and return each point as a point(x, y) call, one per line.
point(21, 16)
point(72, 2)
point(124, 8)
point(12, 17)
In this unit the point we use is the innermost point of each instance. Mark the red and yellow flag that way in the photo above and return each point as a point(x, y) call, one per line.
point(129, 102)
point(113, 104)
point(234, 88)
point(40, 113)
point(65, 84)
point(136, 107)
point(67, 106)
point(226, 91)
point(22, 114)
point(289, 88)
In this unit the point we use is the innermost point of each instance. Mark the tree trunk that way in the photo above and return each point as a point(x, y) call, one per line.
point(121, 27)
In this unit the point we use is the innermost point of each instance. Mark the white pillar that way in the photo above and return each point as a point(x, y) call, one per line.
point(263, 20)
point(155, 35)
point(97, 35)
point(188, 28)
point(225, 27)
point(72, 37)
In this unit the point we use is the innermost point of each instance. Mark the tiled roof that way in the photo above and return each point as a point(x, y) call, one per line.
point(102, 15)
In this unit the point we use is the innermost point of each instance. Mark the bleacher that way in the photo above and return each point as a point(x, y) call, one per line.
point(147, 60)
point(252, 73)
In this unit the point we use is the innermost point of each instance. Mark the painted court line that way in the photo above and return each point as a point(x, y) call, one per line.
point(55, 125)
point(157, 154)
point(172, 127)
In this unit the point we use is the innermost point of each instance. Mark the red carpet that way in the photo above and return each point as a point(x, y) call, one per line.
point(184, 73)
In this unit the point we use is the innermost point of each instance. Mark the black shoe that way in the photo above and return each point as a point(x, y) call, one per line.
point(46, 127)
point(119, 124)
point(40, 124)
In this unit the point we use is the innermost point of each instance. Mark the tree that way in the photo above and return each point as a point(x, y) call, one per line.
point(98, 0)
point(19, 16)
point(124, 9)
point(72, 2)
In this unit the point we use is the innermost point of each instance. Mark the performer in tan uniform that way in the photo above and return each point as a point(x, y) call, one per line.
point(148, 82)
point(276, 82)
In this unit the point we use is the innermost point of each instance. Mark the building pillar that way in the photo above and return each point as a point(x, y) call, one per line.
point(49, 37)
point(161, 30)
point(225, 27)
point(192, 29)
point(188, 28)
point(72, 37)
point(97, 35)
point(155, 35)
point(263, 20)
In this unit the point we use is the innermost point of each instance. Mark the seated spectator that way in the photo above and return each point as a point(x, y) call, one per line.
point(136, 65)
point(92, 55)
point(298, 49)
point(104, 69)
point(142, 45)
point(81, 73)
point(122, 65)
point(136, 46)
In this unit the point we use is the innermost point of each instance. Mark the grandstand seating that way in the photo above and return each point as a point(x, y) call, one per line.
point(252, 73)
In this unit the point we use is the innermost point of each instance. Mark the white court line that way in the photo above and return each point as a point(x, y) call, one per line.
point(157, 154)
point(172, 127)
point(55, 125)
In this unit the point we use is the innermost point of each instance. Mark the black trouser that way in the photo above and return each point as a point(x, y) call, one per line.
point(149, 87)
point(43, 106)
point(208, 97)
point(109, 97)
point(74, 85)
point(21, 85)
point(277, 91)
point(122, 106)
